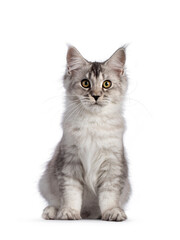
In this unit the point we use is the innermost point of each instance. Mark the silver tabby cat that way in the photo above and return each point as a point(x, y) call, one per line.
point(87, 176)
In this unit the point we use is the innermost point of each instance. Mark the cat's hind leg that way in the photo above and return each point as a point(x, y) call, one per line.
point(49, 190)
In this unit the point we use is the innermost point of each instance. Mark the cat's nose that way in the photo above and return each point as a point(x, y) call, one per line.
point(96, 97)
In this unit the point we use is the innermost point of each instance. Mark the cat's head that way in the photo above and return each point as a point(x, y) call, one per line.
point(95, 84)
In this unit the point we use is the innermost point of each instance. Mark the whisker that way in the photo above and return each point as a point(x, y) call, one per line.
point(141, 104)
point(73, 111)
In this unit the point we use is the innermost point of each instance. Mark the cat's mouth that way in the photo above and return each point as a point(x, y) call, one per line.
point(93, 105)
point(97, 104)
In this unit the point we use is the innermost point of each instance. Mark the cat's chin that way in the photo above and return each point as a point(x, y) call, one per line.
point(94, 108)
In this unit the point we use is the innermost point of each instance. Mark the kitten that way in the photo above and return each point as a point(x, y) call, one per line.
point(87, 176)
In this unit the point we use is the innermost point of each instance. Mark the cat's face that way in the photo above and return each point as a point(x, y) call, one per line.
point(95, 84)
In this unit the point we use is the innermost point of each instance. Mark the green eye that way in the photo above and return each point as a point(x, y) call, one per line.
point(85, 83)
point(107, 84)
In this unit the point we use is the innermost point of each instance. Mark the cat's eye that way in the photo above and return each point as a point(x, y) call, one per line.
point(85, 83)
point(107, 84)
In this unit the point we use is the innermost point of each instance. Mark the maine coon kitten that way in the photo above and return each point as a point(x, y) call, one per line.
point(87, 176)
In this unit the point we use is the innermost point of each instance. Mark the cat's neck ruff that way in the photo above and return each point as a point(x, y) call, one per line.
point(110, 117)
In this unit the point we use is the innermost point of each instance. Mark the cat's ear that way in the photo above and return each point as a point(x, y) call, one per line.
point(117, 60)
point(74, 60)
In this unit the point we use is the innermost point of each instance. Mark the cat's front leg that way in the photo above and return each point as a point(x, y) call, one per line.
point(110, 209)
point(109, 196)
point(71, 200)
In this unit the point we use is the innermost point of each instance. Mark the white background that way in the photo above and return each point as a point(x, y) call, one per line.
point(33, 38)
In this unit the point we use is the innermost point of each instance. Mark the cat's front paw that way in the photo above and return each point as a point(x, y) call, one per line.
point(68, 214)
point(49, 213)
point(114, 214)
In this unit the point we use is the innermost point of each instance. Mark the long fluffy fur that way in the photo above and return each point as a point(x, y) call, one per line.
point(88, 174)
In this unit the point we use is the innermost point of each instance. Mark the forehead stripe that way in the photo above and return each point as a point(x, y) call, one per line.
point(96, 69)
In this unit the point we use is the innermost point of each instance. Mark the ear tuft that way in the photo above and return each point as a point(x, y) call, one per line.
point(117, 60)
point(74, 59)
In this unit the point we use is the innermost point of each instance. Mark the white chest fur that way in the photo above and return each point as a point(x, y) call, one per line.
point(95, 138)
